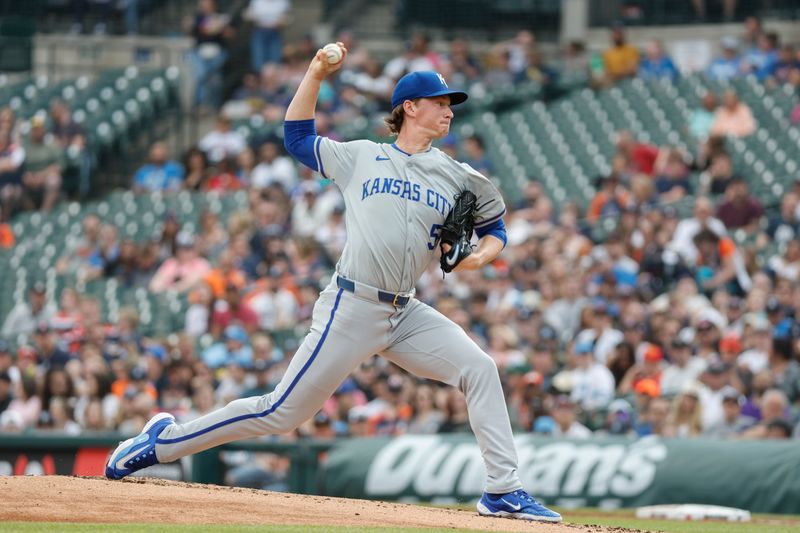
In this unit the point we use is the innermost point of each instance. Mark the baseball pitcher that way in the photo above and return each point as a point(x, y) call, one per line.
point(403, 201)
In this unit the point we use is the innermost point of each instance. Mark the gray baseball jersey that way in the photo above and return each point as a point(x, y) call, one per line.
point(395, 203)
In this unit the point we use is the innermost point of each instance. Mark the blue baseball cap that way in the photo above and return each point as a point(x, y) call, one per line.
point(424, 84)
point(544, 424)
point(235, 333)
point(157, 351)
point(348, 385)
point(584, 347)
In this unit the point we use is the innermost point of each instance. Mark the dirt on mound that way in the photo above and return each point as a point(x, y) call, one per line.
point(139, 500)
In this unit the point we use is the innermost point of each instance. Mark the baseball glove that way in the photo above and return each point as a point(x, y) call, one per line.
point(457, 231)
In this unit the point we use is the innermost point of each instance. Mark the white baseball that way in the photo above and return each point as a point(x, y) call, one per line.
point(334, 53)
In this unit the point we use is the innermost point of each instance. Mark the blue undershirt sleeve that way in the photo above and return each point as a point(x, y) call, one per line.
point(299, 137)
point(496, 229)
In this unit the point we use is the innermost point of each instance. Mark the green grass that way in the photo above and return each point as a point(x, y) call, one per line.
point(671, 526)
point(625, 518)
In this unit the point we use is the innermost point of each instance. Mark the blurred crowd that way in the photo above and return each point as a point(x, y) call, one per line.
point(364, 85)
point(355, 100)
point(667, 325)
point(35, 155)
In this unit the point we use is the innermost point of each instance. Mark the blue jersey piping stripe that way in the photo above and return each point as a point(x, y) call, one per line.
point(280, 400)
point(493, 219)
point(319, 159)
point(393, 145)
point(400, 150)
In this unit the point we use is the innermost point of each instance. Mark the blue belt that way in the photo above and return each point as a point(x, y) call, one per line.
point(396, 300)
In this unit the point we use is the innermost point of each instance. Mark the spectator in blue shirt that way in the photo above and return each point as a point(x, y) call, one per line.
point(762, 60)
point(672, 182)
point(730, 64)
point(234, 348)
point(160, 174)
point(783, 68)
point(656, 65)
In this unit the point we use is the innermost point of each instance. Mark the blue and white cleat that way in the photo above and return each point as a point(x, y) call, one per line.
point(517, 504)
point(138, 452)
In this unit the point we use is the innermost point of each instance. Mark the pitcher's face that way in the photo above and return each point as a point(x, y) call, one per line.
point(433, 115)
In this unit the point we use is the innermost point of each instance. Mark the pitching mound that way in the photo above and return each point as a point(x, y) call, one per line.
point(97, 500)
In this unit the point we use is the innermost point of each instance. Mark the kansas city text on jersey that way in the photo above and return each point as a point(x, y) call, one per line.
point(405, 189)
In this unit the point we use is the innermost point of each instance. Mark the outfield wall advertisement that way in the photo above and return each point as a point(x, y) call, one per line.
point(761, 476)
point(67, 455)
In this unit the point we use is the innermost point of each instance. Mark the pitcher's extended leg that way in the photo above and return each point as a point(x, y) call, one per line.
point(328, 354)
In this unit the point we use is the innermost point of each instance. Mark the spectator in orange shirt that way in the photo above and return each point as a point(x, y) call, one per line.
point(621, 60)
point(135, 382)
point(650, 369)
point(715, 260)
point(733, 117)
point(225, 274)
point(7, 239)
point(225, 179)
point(610, 200)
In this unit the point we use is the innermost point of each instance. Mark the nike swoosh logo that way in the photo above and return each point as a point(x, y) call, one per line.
point(450, 259)
point(516, 507)
point(135, 450)
point(379, 158)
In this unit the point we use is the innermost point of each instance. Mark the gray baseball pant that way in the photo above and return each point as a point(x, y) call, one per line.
point(347, 328)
